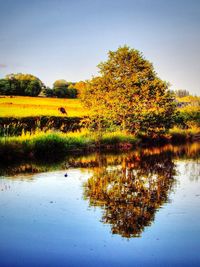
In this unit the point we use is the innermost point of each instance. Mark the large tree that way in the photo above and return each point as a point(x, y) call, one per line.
point(128, 93)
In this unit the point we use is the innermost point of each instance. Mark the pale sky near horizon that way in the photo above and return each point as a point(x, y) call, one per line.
point(67, 39)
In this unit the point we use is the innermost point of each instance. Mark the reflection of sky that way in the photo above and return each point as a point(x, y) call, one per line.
point(67, 39)
point(46, 221)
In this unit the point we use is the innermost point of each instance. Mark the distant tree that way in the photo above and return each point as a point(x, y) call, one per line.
point(60, 84)
point(182, 93)
point(64, 89)
point(129, 94)
point(72, 91)
point(4, 87)
point(33, 88)
point(48, 92)
point(60, 92)
point(60, 88)
point(21, 84)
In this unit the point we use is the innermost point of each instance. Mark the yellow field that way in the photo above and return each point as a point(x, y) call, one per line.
point(23, 106)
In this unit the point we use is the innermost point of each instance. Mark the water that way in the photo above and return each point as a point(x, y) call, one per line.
point(135, 209)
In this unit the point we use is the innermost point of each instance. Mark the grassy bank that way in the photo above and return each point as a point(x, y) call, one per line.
point(54, 146)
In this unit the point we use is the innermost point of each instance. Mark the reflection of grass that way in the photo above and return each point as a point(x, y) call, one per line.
point(95, 160)
point(21, 106)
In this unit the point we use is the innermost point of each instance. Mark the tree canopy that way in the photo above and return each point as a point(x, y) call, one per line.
point(80, 87)
point(60, 83)
point(62, 89)
point(21, 84)
point(128, 93)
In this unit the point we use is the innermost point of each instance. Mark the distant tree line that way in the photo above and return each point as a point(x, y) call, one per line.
point(181, 93)
point(21, 84)
point(61, 89)
point(29, 85)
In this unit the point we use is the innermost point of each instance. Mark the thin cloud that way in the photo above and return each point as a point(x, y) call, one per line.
point(3, 65)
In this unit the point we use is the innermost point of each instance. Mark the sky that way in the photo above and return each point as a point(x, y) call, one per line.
point(67, 39)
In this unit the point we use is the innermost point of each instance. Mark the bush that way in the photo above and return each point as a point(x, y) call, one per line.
point(183, 119)
point(16, 126)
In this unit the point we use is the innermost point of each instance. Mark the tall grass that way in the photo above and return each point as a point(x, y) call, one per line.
point(111, 138)
point(54, 145)
point(51, 146)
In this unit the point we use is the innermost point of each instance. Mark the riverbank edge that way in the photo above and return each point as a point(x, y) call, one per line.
point(55, 146)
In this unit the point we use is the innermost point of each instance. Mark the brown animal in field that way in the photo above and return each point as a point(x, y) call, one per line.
point(62, 110)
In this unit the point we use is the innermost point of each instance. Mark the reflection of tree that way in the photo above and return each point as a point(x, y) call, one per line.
point(192, 169)
point(131, 194)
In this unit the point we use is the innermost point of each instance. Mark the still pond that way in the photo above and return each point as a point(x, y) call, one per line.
point(141, 208)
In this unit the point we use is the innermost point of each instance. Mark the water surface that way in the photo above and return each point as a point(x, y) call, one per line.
point(135, 209)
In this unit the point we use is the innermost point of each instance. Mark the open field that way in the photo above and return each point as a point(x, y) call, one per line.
point(21, 106)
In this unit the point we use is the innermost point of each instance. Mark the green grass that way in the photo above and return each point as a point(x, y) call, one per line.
point(52, 146)
point(111, 138)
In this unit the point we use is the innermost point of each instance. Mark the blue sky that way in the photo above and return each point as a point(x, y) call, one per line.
point(68, 39)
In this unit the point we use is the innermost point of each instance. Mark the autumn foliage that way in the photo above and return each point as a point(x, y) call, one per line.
point(128, 94)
